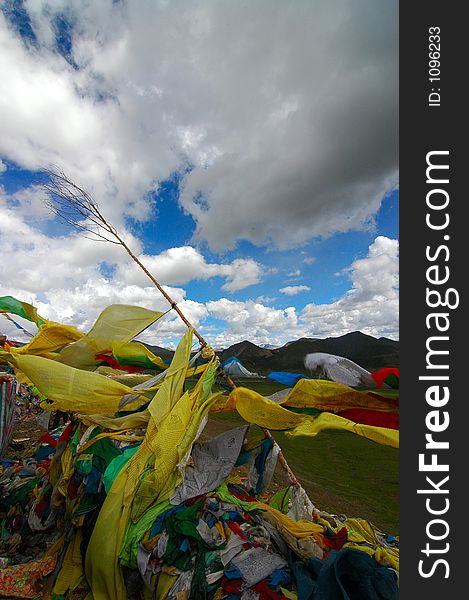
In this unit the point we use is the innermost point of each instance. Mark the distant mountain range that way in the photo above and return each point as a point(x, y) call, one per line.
point(367, 351)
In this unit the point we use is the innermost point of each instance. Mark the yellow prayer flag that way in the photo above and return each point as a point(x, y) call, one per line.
point(52, 336)
point(311, 426)
point(116, 323)
point(71, 389)
point(329, 395)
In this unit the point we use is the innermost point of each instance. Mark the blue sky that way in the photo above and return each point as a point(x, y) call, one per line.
point(248, 157)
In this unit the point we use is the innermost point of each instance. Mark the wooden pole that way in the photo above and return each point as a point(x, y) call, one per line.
point(281, 457)
point(173, 304)
point(83, 205)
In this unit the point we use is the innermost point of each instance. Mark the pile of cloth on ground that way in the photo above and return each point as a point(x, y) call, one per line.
point(211, 538)
point(130, 500)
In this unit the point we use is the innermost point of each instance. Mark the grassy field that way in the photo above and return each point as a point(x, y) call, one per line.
point(342, 472)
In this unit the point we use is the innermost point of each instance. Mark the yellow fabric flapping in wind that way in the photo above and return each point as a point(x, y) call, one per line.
point(311, 426)
point(102, 568)
point(136, 354)
point(51, 337)
point(132, 421)
point(152, 474)
point(130, 379)
point(116, 323)
point(70, 389)
point(224, 403)
point(329, 395)
point(257, 409)
point(171, 443)
point(121, 322)
point(261, 411)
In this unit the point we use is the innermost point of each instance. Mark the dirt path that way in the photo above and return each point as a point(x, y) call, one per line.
point(25, 428)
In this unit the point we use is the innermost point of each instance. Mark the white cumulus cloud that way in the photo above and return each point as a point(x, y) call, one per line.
point(293, 290)
point(372, 303)
point(287, 115)
point(183, 264)
point(280, 119)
